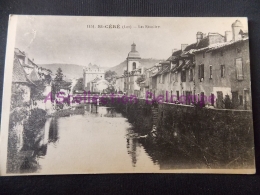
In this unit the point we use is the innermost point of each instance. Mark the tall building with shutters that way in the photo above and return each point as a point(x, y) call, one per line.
point(223, 70)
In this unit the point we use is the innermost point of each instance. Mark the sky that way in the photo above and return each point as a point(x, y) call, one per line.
point(70, 40)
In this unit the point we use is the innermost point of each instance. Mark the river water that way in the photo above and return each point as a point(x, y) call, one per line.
point(96, 139)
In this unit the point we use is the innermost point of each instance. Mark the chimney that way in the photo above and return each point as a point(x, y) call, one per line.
point(199, 36)
point(236, 27)
point(183, 46)
point(228, 36)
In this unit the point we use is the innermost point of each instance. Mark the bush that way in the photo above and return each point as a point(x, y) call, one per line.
point(33, 126)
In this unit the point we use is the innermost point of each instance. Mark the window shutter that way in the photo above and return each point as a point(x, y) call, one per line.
point(199, 72)
point(202, 70)
point(239, 69)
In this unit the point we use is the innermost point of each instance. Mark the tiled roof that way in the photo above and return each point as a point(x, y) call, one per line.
point(166, 70)
point(219, 45)
point(174, 55)
point(19, 75)
point(18, 52)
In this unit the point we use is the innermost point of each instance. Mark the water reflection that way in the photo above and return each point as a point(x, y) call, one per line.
point(53, 131)
point(101, 111)
point(92, 138)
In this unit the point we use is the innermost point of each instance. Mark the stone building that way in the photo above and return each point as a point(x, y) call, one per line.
point(224, 70)
point(27, 64)
point(120, 84)
point(133, 71)
point(90, 74)
point(208, 70)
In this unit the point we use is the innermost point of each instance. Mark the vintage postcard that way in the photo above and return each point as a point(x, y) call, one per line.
point(126, 95)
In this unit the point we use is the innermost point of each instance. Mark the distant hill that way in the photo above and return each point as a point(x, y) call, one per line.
point(146, 63)
point(69, 70)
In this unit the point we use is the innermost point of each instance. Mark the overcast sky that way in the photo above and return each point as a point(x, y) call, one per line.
point(67, 39)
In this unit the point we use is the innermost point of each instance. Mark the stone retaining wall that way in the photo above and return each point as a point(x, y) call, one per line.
point(221, 138)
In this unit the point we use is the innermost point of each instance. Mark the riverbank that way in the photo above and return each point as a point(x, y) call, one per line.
point(220, 138)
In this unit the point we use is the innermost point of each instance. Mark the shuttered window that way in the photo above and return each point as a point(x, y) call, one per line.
point(202, 71)
point(210, 71)
point(183, 76)
point(191, 74)
point(222, 71)
point(199, 72)
point(239, 69)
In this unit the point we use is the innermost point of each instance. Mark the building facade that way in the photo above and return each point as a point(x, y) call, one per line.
point(211, 71)
point(133, 71)
point(91, 74)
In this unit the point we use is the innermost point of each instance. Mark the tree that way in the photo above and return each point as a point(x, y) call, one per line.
point(109, 75)
point(59, 75)
point(140, 79)
point(79, 85)
point(59, 84)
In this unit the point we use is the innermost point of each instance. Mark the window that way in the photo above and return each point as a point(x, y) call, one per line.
point(191, 74)
point(183, 76)
point(134, 65)
point(212, 99)
point(240, 100)
point(222, 71)
point(221, 53)
point(202, 100)
point(239, 69)
point(201, 72)
point(203, 54)
point(161, 78)
point(178, 95)
point(176, 76)
point(210, 72)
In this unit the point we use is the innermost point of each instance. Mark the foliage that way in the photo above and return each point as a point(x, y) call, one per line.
point(110, 89)
point(59, 83)
point(59, 75)
point(37, 92)
point(110, 75)
point(17, 116)
point(33, 126)
point(79, 85)
point(140, 79)
point(227, 102)
point(17, 98)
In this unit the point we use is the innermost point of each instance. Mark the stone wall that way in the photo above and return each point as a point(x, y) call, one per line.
point(218, 138)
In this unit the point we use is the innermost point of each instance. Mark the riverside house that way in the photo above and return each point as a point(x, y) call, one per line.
point(209, 70)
